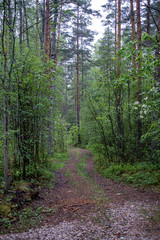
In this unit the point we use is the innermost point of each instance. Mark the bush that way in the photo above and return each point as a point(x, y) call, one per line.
point(141, 174)
point(142, 178)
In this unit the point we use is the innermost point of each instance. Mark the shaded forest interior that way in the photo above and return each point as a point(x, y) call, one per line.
point(60, 89)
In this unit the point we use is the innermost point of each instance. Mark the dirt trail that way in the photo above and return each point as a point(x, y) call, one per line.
point(87, 206)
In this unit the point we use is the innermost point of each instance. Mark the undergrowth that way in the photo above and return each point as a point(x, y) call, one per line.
point(59, 160)
point(15, 213)
point(81, 166)
point(139, 174)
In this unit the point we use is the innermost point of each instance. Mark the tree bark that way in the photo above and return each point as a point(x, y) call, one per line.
point(133, 34)
point(59, 31)
point(120, 131)
point(43, 25)
point(82, 69)
point(20, 24)
point(139, 79)
point(148, 16)
point(37, 27)
point(115, 40)
point(47, 46)
point(157, 52)
point(66, 103)
point(77, 80)
point(47, 40)
point(54, 31)
point(5, 120)
point(154, 147)
point(26, 23)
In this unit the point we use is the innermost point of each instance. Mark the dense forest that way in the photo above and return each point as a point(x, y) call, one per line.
point(59, 89)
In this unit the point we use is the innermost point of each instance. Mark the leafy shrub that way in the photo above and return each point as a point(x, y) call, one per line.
point(58, 161)
point(113, 170)
point(73, 136)
point(144, 173)
point(142, 178)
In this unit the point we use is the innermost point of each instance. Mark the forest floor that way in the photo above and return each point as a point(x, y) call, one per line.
point(85, 206)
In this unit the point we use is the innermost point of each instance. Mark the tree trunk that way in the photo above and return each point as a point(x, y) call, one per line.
point(119, 37)
point(66, 103)
point(47, 41)
point(10, 27)
point(115, 41)
point(148, 16)
point(133, 34)
point(5, 119)
point(120, 131)
point(154, 147)
point(52, 97)
point(20, 24)
point(26, 23)
point(77, 80)
point(157, 52)
point(59, 31)
point(54, 31)
point(47, 46)
point(82, 69)
point(43, 25)
point(139, 79)
point(57, 49)
point(36, 27)
point(133, 59)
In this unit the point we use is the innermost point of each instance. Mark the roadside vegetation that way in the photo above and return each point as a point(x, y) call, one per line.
point(139, 174)
point(15, 212)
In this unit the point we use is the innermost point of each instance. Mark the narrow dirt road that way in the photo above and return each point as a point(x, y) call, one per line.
point(87, 206)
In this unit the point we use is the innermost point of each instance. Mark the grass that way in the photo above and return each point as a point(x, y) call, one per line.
point(97, 193)
point(155, 218)
point(78, 155)
point(55, 164)
point(58, 161)
point(68, 173)
point(139, 174)
point(81, 166)
point(16, 216)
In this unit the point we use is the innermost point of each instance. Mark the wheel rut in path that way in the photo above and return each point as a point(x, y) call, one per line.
point(87, 206)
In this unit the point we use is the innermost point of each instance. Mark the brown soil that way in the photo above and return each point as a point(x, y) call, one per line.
point(104, 201)
point(122, 211)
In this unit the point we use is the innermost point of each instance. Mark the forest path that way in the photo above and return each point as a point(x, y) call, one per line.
point(86, 206)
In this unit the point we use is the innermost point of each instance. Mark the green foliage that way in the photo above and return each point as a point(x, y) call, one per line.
point(30, 118)
point(73, 136)
point(60, 135)
point(42, 172)
point(81, 167)
point(108, 130)
point(59, 160)
point(27, 217)
point(24, 219)
point(140, 174)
